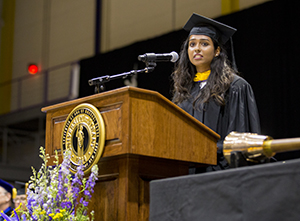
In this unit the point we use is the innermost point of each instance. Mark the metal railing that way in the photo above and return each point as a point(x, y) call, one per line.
point(59, 83)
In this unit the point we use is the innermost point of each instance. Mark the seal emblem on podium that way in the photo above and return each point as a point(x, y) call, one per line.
point(84, 134)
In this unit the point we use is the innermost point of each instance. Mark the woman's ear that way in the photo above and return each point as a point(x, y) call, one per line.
point(217, 51)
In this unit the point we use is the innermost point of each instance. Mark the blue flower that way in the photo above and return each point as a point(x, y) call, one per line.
point(53, 191)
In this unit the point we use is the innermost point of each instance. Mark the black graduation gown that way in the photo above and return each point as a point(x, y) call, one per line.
point(239, 114)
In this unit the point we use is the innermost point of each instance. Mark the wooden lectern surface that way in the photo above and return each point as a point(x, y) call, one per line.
point(147, 137)
point(142, 122)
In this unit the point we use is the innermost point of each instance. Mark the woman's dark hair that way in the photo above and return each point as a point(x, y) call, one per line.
point(217, 84)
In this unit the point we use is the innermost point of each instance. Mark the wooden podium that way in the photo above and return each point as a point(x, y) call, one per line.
point(147, 137)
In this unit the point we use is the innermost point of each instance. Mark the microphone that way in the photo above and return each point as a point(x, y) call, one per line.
point(151, 57)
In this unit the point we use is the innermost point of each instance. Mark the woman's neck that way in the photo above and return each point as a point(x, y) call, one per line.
point(201, 70)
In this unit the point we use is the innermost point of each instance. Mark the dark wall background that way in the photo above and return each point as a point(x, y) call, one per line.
point(266, 49)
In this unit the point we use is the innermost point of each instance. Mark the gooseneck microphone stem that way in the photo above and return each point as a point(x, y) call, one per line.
point(149, 59)
point(100, 81)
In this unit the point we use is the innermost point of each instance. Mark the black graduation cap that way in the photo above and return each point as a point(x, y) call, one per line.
point(21, 187)
point(217, 31)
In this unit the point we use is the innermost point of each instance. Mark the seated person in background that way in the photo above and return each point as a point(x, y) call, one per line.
point(208, 88)
point(21, 194)
point(7, 194)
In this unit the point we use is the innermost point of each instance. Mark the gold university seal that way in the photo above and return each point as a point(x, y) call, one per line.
point(84, 134)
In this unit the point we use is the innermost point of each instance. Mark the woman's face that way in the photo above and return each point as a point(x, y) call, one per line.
point(201, 51)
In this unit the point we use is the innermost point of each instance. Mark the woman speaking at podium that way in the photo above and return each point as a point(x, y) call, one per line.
point(208, 88)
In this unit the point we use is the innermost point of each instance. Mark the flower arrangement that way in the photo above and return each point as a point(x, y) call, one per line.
point(54, 194)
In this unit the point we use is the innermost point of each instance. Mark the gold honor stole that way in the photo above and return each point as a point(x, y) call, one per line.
point(201, 76)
